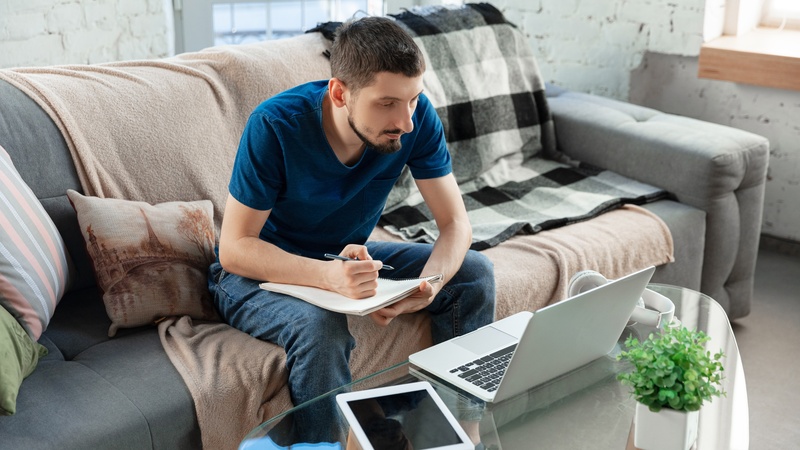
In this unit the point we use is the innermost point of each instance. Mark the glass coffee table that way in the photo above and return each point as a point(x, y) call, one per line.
point(585, 408)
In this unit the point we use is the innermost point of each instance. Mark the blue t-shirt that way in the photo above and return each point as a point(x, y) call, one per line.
point(319, 205)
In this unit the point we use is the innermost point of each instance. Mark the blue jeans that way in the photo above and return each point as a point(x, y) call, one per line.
point(318, 343)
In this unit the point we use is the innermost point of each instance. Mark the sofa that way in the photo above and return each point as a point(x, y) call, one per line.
point(125, 392)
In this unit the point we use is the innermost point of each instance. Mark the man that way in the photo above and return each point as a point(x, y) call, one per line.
point(313, 171)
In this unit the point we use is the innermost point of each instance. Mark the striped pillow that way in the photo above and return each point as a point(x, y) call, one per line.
point(33, 259)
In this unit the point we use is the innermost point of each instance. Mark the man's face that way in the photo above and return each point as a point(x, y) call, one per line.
point(381, 112)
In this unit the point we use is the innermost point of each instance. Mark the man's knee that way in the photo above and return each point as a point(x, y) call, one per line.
point(477, 266)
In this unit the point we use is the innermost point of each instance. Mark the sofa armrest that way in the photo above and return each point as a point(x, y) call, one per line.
point(719, 169)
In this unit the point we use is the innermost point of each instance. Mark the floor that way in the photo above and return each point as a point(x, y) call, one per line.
point(769, 343)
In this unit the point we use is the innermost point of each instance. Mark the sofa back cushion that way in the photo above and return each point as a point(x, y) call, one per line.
point(42, 159)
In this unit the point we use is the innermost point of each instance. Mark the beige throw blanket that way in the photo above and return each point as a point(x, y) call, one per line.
point(131, 139)
point(236, 381)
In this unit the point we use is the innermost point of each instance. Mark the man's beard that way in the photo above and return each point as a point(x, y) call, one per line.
point(389, 147)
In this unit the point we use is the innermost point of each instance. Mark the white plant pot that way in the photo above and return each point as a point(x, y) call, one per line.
point(664, 430)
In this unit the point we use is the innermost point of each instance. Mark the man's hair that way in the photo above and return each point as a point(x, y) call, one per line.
point(364, 47)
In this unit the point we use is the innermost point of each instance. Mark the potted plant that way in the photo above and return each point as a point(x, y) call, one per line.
point(673, 375)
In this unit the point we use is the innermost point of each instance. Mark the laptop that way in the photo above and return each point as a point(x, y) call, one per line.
point(524, 350)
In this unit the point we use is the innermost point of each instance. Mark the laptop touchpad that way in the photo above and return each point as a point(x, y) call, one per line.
point(484, 340)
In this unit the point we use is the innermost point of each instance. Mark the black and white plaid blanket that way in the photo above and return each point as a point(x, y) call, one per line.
point(483, 80)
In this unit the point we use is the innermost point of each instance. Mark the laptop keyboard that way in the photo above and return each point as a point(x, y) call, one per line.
point(487, 371)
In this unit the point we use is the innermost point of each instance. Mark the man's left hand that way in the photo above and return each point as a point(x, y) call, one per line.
point(413, 303)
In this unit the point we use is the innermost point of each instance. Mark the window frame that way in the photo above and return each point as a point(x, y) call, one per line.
point(773, 15)
point(194, 23)
point(744, 51)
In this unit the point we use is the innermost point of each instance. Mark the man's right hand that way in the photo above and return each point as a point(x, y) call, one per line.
point(354, 279)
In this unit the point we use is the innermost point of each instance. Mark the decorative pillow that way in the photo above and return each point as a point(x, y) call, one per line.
point(33, 259)
point(19, 355)
point(150, 260)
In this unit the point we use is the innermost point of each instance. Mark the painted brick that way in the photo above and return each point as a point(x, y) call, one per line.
point(560, 8)
point(102, 14)
point(144, 26)
point(131, 8)
point(22, 26)
point(652, 14)
point(624, 35)
point(568, 34)
point(24, 6)
point(688, 21)
point(63, 18)
point(36, 51)
point(159, 47)
point(599, 10)
point(130, 48)
point(537, 25)
point(80, 31)
point(155, 6)
point(663, 41)
point(82, 43)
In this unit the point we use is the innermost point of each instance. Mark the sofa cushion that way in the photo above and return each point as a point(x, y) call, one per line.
point(123, 388)
point(33, 259)
point(121, 393)
point(150, 260)
point(19, 355)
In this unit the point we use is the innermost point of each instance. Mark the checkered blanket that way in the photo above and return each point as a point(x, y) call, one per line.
point(483, 80)
point(536, 195)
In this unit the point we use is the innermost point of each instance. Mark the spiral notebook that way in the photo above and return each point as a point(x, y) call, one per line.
point(389, 291)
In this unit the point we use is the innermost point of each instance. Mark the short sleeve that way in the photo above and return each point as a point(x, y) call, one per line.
point(258, 171)
point(430, 158)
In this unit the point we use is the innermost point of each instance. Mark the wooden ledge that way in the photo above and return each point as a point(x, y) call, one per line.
point(763, 57)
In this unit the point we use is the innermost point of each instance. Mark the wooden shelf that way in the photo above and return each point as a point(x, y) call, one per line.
point(763, 57)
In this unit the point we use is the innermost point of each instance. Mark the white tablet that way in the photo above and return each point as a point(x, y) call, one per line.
point(402, 416)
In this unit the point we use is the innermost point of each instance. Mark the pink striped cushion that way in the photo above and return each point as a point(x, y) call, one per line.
point(33, 261)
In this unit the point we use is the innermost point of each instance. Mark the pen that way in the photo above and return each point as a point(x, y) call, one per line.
point(345, 258)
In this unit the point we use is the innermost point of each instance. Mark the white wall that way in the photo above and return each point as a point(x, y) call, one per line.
point(592, 46)
point(639, 50)
point(43, 32)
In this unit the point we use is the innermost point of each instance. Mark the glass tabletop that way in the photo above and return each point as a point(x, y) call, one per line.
point(585, 408)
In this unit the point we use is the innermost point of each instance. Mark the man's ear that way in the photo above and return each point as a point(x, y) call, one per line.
point(336, 91)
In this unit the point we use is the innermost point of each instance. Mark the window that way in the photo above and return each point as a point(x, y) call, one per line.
point(205, 23)
point(781, 14)
point(760, 44)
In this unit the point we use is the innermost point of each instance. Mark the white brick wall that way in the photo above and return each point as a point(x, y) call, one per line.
point(577, 38)
point(45, 32)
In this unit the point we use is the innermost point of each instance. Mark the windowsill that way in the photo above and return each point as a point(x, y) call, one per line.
point(763, 57)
